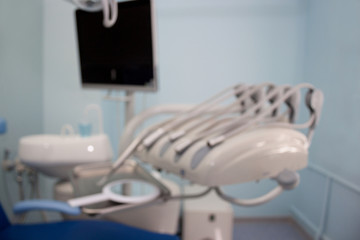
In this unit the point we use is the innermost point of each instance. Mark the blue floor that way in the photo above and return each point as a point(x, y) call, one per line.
point(267, 230)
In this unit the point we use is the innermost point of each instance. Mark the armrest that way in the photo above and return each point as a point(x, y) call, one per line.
point(47, 205)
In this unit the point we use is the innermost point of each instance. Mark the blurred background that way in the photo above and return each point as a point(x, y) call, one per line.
point(204, 46)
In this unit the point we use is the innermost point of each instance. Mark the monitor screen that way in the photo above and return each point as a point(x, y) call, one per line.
point(121, 56)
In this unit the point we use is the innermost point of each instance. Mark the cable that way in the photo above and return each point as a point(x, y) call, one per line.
point(237, 126)
point(274, 106)
point(109, 8)
point(157, 130)
point(192, 113)
point(43, 215)
point(250, 202)
point(6, 187)
point(110, 11)
point(19, 171)
point(213, 120)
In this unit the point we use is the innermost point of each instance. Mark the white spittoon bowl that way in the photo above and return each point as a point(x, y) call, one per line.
point(56, 155)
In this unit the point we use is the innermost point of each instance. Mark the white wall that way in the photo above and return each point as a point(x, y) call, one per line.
point(204, 46)
point(64, 99)
point(20, 76)
point(332, 63)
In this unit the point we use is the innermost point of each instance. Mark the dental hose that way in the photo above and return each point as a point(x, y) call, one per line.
point(35, 192)
point(6, 186)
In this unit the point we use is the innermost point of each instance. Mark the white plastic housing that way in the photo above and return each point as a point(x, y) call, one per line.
point(250, 156)
point(208, 217)
point(56, 155)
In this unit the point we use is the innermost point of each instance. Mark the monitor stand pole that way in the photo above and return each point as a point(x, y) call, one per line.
point(129, 114)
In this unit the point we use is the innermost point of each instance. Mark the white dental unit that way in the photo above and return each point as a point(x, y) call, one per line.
point(252, 138)
point(244, 133)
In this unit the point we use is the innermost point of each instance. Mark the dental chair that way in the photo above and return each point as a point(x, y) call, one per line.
point(244, 133)
point(79, 229)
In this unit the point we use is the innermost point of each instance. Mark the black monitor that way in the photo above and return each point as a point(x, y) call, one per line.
point(122, 56)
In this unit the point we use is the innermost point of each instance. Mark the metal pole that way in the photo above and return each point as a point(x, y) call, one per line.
point(129, 106)
point(129, 114)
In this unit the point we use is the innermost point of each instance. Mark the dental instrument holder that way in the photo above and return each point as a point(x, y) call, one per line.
point(286, 179)
point(314, 100)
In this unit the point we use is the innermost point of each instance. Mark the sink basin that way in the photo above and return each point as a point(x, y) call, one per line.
point(56, 155)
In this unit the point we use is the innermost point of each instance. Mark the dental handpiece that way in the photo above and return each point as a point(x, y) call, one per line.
point(184, 118)
point(244, 92)
point(184, 144)
point(219, 139)
point(242, 122)
point(158, 131)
